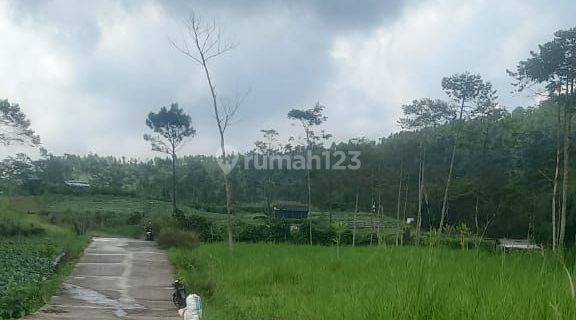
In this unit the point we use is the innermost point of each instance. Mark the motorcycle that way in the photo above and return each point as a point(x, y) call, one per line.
point(149, 236)
point(179, 295)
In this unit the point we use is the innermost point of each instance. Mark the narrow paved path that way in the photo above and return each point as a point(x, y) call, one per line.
point(116, 279)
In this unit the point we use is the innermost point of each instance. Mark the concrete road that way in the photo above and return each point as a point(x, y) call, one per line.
point(116, 279)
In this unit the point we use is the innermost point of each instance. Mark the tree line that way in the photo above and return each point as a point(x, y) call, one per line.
point(463, 160)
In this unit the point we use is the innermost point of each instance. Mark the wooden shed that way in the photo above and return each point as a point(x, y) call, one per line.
point(291, 211)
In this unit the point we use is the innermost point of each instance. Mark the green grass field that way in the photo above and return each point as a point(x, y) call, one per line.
point(300, 282)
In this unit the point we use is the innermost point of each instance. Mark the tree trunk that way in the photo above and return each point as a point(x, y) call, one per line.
point(267, 195)
point(221, 129)
point(555, 187)
point(174, 207)
point(309, 201)
point(420, 193)
point(476, 216)
point(228, 188)
point(379, 218)
point(307, 159)
point(354, 222)
point(373, 229)
point(399, 205)
point(447, 189)
point(404, 209)
point(444, 212)
point(566, 174)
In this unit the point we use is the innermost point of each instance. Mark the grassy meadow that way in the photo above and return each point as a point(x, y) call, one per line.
point(265, 281)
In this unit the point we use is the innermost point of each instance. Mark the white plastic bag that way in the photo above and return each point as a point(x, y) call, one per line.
point(193, 309)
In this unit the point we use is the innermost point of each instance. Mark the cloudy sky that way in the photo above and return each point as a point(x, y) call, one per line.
point(87, 73)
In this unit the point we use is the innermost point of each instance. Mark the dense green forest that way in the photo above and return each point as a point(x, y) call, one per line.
point(502, 179)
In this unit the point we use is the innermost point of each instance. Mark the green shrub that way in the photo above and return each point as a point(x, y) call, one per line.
point(82, 222)
point(206, 229)
point(134, 218)
point(253, 233)
point(10, 227)
point(174, 238)
point(251, 208)
point(211, 208)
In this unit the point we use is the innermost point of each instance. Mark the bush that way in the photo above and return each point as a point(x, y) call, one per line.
point(11, 227)
point(251, 208)
point(174, 238)
point(134, 218)
point(82, 223)
point(252, 233)
point(210, 208)
point(279, 231)
point(206, 229)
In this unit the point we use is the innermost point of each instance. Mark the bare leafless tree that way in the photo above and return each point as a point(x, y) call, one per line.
point(202, 42)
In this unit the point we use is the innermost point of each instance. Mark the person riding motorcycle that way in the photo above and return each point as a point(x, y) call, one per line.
point(149, 232)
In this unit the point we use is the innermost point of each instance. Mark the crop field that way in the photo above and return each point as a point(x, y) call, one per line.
point(300, 282)
point(29, 247)
point(114, 204)
point(119, 207)
point(26, 263)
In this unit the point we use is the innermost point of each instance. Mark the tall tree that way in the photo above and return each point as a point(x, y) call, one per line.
point(14, 130)
point(487, 113)
point(553, 65)
point(268, 147)
point(15, 171)
point(204, 43)
point(309, 119)
point(171, 129)
point(421, 115)
point(463, 89)
point(15, 127)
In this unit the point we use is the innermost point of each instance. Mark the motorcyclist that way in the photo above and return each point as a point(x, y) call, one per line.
point(149, 233)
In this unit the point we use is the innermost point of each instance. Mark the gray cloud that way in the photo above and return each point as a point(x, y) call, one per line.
point(88, 74)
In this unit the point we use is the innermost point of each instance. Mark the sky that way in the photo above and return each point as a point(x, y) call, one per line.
point(88, 73)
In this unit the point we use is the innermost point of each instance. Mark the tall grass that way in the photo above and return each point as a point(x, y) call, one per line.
point(300, 282)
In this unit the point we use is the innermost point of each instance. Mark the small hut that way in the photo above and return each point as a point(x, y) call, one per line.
point(78, 186)
point(291, 211)
point(516, 244)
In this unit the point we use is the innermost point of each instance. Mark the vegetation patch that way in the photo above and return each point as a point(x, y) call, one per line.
point(174, 238)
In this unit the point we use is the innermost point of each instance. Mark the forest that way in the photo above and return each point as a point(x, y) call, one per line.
point(502, 177)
